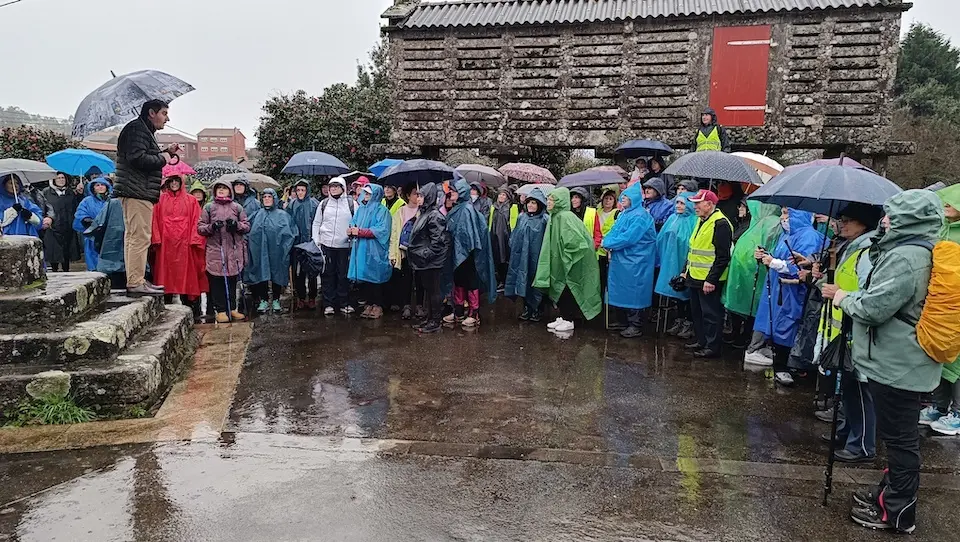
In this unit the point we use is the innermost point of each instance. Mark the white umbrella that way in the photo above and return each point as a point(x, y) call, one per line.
point(527, 188)
point(29, 171)
point(766, 167)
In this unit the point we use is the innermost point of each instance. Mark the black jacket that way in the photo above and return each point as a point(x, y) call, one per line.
point(724, 139)
point(722, 245)
point(429, 241)
point(139, 164)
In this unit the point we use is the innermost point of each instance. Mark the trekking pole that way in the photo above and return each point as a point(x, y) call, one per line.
point(226, 280)
point(838, 372)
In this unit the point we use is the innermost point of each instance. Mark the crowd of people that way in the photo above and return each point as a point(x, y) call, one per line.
point(713, 268)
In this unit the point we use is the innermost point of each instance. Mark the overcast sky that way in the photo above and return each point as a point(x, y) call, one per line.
point(237, 53)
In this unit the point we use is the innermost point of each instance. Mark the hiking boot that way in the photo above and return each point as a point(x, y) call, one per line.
point(366, 311)
point(947, 425)
point(865, 498)
point(525, 315)
point(676, 328)
point(871, 517)
point(407, 313)
point(263, 307)
point(694, 346)
point(846, 456)
point(376, 313)
point(631, 332)
point(687, 331)
point(312, 304)
point(929, 415)
point(430, 327)
point(784, 379)
point(276, 306)
point(222, 318)
point(237, 316)
point(143, 290)
point(329, 311)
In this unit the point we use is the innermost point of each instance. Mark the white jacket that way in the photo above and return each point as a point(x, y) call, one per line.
point(330, 224)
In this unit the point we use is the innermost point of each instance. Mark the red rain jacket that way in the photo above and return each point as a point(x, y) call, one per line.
point(179, 251)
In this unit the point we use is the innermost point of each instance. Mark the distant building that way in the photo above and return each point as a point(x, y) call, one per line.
point(190, 150)
point(221, 143)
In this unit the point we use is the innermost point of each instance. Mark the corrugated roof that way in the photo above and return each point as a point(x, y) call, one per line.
point(444, 13)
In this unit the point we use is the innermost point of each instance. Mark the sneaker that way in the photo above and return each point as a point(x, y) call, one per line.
point(564, 326)
point(276, 306)
point(929, 415)
point(420, 313)
point(631, 332)
point(947, 425)
point(865, 498)
point(617, 326)
point(263, 307)
point(676, 328)
point(534, 316)
point(784, 379)
point(706, 353)
point(687, 332)
point(407, 313)
point(757, 358)
point(142, 290)
point(471, 321)
point(553, 325)
point(846, 456)
point(301, 303)
point(347, 310)
point(693, 347)
point(826, 416)
point(525, 315)
point(500, 288)
point(153, 286)
point(450, 318)
point(329, 311)
point(430, 327)
point(871, 517)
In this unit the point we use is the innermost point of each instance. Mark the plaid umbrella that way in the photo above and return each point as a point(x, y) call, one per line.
point(528, 173)
point(714, 165)
point(211, 170)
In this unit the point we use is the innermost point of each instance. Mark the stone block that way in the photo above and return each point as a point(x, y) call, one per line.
point(62, 300)
point(21, 262)
point(49, 385)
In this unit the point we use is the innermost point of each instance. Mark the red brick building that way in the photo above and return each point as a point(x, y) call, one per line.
point(189, 150)
point(222, 143)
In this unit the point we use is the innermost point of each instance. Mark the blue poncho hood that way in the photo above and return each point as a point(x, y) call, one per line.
point(302, 211)
point(660, 207)
point(525, 243)
point(673, 246)
point(18, 226)
point(269, 243)
point(469, 234)
point(632, 244)
point(370, 257)
point(90, 207)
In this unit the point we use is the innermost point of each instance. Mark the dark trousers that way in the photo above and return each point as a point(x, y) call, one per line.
point(859, 426)
point(898, 413)
point(261, 291)
point(604, 262)
point(706, 311)
point(336, 287)
point(300, 280)
point(64, 265)
point(781, 358)
point(635, 317)
point(567, 306)
point(742, 328)
point(501, 271)
point(372, 293)
point(223, 290)
point(432, 298)
point(409, 286)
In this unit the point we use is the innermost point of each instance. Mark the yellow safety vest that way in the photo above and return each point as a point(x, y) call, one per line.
point(605, 228)
point(710, 142)
point(702, 252)
point(590, 221)
point(396, 205)
point(514, 216)
point(846, 279)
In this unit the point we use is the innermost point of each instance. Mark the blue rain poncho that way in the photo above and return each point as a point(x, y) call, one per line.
point(525, 243)
point(302, 212)
point(370, 257)
point(632, 244)
point(107, 232)
point(660, 208)
point(18, 226)
point(269, 243)
point(673, 246)
point(786, 300)
point(90, 207)
point(469, 235)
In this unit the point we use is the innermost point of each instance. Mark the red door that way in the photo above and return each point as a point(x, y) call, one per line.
point(738, 79)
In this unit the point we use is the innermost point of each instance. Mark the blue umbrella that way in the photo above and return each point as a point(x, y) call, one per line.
point(417, 172)
point(640, 148)
point(309, 163)
point(826, 190)
point(119, 100)
point(592, 177)
point(79, 161)
point(383, 165)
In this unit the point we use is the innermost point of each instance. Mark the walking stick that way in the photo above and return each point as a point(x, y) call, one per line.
point(828, 477)
point(226, 280)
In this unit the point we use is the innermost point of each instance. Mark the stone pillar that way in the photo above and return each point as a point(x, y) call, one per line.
point(21, 262)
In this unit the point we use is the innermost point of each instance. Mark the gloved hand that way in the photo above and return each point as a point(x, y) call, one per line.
point(18, 208)
point(231, 225)
point(26, 214)
point(217, 225)
point(86, 222)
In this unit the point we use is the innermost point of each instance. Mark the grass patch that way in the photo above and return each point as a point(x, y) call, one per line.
point(48, 412)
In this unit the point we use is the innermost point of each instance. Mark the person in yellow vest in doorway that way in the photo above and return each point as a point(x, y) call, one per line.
point(706, 274)
point(580, 205)
point(501, 221)
point(711, 136)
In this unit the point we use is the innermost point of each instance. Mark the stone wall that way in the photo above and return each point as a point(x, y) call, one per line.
point(830, 82)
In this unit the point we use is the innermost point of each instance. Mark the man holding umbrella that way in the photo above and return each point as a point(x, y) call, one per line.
point(139, 172)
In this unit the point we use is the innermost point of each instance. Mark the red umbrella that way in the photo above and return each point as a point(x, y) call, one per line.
point(528, 173)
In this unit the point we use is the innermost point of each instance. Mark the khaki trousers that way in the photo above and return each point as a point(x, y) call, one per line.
point(138, 223)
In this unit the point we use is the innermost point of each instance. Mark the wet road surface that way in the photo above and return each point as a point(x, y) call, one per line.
point(361, 430)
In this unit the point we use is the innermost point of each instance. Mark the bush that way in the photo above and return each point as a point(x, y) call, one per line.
point(50, 411)
point(32, 143)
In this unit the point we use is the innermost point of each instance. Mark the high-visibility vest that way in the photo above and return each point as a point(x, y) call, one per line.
point(396, 206)
point(605, 227)
point(590, 221)
point(702, 252)
point(514, 216)
point(709, 142)
point(846, 279)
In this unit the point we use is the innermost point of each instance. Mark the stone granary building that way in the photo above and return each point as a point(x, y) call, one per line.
point(508, 75)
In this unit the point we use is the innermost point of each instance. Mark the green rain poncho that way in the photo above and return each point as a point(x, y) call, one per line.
point(764, 231)
point(568, 259)
point(951, 231)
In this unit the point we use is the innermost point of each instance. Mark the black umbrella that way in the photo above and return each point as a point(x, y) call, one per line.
point(714, 165)
point(592, 177)
point(643, 148)
point(826, 190)
point(418, 172)
point(311, 258)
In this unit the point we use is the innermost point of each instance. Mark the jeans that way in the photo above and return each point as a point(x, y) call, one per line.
point(858, 428)
point(898, 413)
point(707, 314)
point(223, 290)
point(335, 285)
point(301, 280)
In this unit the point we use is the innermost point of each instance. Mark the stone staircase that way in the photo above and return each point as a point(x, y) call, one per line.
point(119, 351)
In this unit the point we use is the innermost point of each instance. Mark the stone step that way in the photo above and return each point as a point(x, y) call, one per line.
point(21, 262)
point(101, 337)
point(64, 299)
point(140, 375)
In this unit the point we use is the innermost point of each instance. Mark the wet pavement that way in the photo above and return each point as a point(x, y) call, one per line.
point(362, 430)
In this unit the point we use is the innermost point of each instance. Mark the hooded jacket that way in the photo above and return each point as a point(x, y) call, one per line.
point(303, 212)
point(332, 219)
point(633, 247)
point(503, 218)
point(14, 223)
point(86, 213)
point(271, 238)
point(179, 255)
point(107, 232)
point(370, 258)
point(483, 203)
point(673, 245)
point(249, 200)
point(221, 243)
point(585, 207)
point(139, 163)
point(705, 130)
point(429, 241)
point(885, 347)
point(568, 258)
point(526, 240)
point(60, 242)
point(469, 237)
point(197, 185)
point(745, 283)
point(660, 208)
